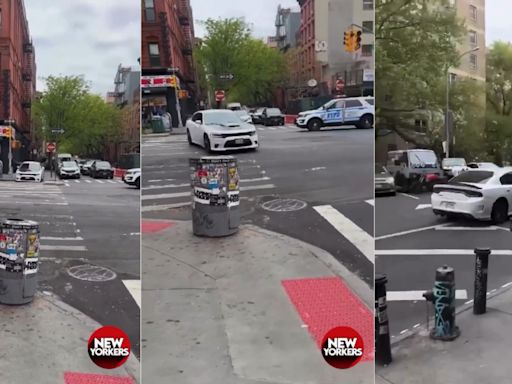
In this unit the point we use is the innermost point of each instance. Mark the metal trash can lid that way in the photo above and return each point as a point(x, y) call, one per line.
point(19, 224)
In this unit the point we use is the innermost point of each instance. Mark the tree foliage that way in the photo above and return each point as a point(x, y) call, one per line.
point(416, 41)
point(89, 123)
point(229, 48)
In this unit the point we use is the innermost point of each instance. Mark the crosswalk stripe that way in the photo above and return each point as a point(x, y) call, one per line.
point(62, 238)
point(134, 287)
point(88, 181)
point(111, 181)
point(348, 229)
point(71, 248)
point(99, 181)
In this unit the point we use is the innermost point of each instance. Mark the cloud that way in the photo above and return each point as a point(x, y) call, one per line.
point(89, 37)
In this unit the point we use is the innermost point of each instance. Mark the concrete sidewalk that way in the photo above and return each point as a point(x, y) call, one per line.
point(175, 131)
point(215, 311)
point(480, 355)
point(43, 341)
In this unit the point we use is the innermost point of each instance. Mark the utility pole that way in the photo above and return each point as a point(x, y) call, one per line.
point(10, 124)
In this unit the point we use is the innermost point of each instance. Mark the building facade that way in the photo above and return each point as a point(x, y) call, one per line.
point(322, 54)
point(17, 81)
point(168, 78)
point(287, 28)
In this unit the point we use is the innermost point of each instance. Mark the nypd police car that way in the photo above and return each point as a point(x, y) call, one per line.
point(358, 111)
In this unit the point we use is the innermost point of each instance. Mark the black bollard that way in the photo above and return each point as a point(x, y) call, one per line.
point(481, 268)
point(443, 298)
point(382, 339)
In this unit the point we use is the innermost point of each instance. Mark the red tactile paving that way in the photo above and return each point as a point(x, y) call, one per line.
point(86, 378)
point(149, 226)
point(326, 303)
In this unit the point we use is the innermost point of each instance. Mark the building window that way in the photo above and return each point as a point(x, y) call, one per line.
point(149, 10)
point(473, 63)
point(472, 38)
point(420, 125)
point(368, 5)
point(154, 55)
point(367, 26)
point(367, 50)
point(473, 13)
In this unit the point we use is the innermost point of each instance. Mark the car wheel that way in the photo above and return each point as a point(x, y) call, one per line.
point(137, 183)
point(366, 121)
point(207, 144)
point(499, 213)
point(314, 124)
point(189, 138)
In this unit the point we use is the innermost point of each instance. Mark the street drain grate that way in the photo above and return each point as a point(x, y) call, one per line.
point(284, 205)
point(94, 273)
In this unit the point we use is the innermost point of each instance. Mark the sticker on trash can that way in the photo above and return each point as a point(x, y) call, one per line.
point(33, 245)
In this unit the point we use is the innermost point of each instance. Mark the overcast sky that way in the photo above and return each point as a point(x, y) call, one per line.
point(498, 23)
point(261, 13)
point(84, 37)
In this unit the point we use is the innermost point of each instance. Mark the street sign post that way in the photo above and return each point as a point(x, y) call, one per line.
point(10, 124)
point(50, 147)
point(220, 95)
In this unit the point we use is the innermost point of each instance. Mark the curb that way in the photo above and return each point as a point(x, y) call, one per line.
point(358, 286)
point(132, 364)
point(53, 183)
point(459, 310)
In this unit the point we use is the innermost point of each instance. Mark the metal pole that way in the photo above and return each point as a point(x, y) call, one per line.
point(382, 340)
point(178, 106)
point(447, 126)
point(10, 149)
point(481, 268)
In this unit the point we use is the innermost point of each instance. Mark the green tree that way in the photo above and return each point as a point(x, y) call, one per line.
point(416, 41)
point(229, 48)
point(89, 123)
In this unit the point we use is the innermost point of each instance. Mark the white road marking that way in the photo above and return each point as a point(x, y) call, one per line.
point(490, 228)
point(410, 196)
point(185, 194)
point(88, 181)
point(99, 181)
point(408, 232)
point(315, 169)
point(261, 129)
point(38, 203)
point(78, 248)
point(153, 208)
point(358, 237)
point(506, 285)
point(62, 238)
point(272, 128)
point(460, 294)
point(134, 287)
point(371, 202)
point(77, 181)
point(428, 252)
point(166, 186)
point(111, 181)
point(423, 206)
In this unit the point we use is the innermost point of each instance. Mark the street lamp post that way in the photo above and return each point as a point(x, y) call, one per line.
point(446, 120)
point(10, 124)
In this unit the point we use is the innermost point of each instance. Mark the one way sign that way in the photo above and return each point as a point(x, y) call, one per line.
point(229, 76)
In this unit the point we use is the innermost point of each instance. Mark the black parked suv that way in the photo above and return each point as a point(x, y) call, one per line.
point(101, 169)
point(272, 116)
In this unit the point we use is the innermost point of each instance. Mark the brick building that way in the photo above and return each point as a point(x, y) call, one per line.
point(167, 45)
point(17, 80)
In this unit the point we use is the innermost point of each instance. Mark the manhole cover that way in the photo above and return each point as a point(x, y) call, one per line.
point(89, 272)
point(283, 205)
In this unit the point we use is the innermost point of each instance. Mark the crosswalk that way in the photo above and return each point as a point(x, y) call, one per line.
point(70, 182)
point(166, 193)
point(287, 127)
point(59, 231)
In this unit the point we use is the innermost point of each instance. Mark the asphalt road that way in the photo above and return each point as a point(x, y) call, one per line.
point(85, 227)
point(411, 243)
point(331, 171)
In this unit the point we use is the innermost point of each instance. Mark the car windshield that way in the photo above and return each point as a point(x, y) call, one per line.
point(479, 177)
point(329, 104)
point(33, 167)
point(423, 159)
point(454, 162)
point(68, 164)
point(224, 118)
point(273, 112)
point(369, 101)
point(103, 165)
point(380, 170)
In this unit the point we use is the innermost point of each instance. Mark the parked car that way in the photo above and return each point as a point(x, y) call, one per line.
point(453, 166)
point(132, 177)
point(234, 106)
point(85, 169)
point(101, 169)
point(358, 111)
point(414, 168)
point(244, 116)
point(69, 169)
point(384, 181)
point(482, 194)
point(220, 130)
point(257, 116)
point(30, 170)
point(484, 165)
point(272, 116)
point(61, 157)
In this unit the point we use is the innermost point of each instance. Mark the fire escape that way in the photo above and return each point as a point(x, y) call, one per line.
point(166, 38)
point(119, 90)
point(184, 13)
point(27, 73)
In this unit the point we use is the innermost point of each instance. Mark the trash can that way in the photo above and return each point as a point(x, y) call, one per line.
point(19, 261)
point(157, 125)
point(215, 196)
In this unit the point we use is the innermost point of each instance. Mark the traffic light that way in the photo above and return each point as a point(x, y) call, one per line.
point(358, 41)
point(349, 41)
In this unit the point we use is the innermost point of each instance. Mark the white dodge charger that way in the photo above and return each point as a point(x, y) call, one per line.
point(484, 194)
point(221, 130)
